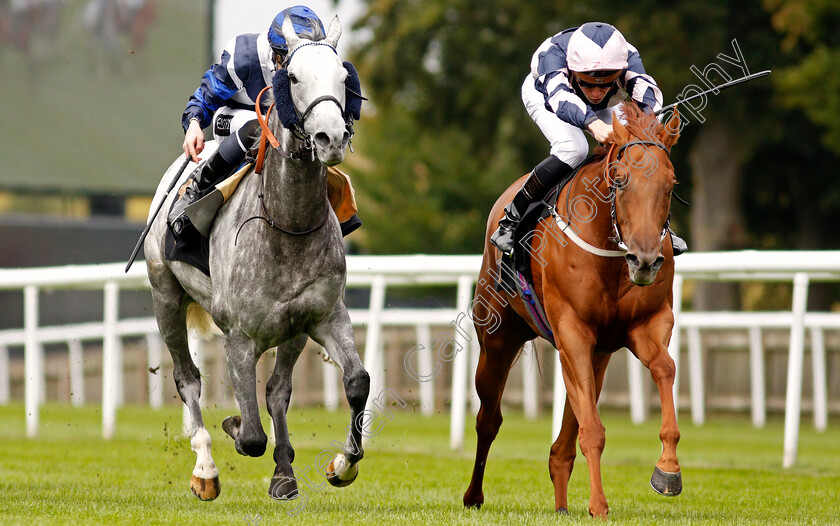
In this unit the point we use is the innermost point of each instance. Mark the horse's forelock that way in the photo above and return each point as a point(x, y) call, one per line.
point(642, 125)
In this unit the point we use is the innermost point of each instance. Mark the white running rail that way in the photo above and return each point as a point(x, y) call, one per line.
point(379, 273)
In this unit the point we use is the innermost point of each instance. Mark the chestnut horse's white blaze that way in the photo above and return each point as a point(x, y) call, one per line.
point(276, 280)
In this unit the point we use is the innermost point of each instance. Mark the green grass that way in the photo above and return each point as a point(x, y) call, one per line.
point(731, 473)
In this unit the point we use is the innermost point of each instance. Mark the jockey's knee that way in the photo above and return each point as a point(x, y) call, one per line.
point(233, 149)
point(572, 153)
point(249, 133)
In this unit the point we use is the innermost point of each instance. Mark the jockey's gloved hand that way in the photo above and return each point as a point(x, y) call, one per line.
point(194, 140)
point(602, 131)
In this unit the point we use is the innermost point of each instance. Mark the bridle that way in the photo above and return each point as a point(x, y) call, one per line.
point(565, 225)
point(305, 150)
point(612, 195)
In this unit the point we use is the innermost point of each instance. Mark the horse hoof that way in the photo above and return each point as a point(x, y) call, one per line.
point(665, 483)
point(231, 425)
point(283, 488)
point(561, 511)
point(339, 474)
point(205, 489)
point(473, 501)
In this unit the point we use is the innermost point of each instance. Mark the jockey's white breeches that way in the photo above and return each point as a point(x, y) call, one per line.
point(568, 143)
point(227, 121)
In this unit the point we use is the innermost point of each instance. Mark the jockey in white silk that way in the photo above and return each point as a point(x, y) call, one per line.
point(577, 79)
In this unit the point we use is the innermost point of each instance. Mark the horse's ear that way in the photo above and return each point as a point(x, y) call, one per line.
point(621, 133)
point(671, 131)
point(334, 32)
point(288, 30)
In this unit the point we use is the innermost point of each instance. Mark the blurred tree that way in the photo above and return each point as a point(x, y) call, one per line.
point(802, 206)
point(449, 133)
point(812, 84)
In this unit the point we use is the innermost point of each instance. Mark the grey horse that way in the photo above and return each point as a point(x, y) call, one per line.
point(275, 281)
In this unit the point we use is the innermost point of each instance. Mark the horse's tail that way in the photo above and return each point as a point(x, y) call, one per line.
point(199, 320)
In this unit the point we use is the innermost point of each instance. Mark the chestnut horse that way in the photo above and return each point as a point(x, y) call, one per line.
point(595, 302)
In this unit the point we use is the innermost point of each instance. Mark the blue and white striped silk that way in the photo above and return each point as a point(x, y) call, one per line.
point(550, 72)
point(245, 68)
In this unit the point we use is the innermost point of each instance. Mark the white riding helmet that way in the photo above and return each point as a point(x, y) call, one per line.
point(597, 46)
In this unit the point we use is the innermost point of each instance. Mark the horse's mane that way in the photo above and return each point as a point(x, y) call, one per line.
point(640, 124)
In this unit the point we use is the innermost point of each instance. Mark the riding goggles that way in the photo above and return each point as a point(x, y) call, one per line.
point(590, 81)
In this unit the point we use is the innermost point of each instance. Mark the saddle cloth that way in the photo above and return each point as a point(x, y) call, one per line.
point(514, 272)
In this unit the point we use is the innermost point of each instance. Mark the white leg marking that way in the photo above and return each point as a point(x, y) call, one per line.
point(342, 468)
point(205, 467)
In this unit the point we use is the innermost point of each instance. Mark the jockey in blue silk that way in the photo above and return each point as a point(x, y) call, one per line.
point(577, 79)
point(226, 99)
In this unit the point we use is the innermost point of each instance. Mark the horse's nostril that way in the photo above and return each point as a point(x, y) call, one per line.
point(632, 260)
point(322, 140)
point(657, 264)
point(345, 140)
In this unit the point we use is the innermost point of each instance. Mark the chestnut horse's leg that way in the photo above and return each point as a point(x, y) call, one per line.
point(576, 344)
point(498, 351)
point(649, 342)
point(561, 461)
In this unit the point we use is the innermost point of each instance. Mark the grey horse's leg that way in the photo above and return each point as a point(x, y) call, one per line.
point(247, 431)
point(171, 310)
point(278, 392)
point(335, 333)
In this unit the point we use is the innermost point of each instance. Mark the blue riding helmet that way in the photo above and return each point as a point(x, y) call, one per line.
point(306, 24)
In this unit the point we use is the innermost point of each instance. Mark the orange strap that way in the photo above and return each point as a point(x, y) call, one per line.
point(266, 135)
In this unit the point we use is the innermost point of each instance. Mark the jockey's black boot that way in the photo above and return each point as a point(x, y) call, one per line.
point(216, 169)
point(544, 176)
point(678, 243)
point(204, 179)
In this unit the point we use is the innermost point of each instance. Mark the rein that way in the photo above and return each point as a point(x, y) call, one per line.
point(267, 136)
point(306, 149)
point(273, 224)
point(298, 131)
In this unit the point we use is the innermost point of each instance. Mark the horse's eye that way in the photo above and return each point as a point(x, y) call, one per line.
point(293, 79)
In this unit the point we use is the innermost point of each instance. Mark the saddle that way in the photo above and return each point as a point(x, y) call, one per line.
point(514, 272)
point(196, 251)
